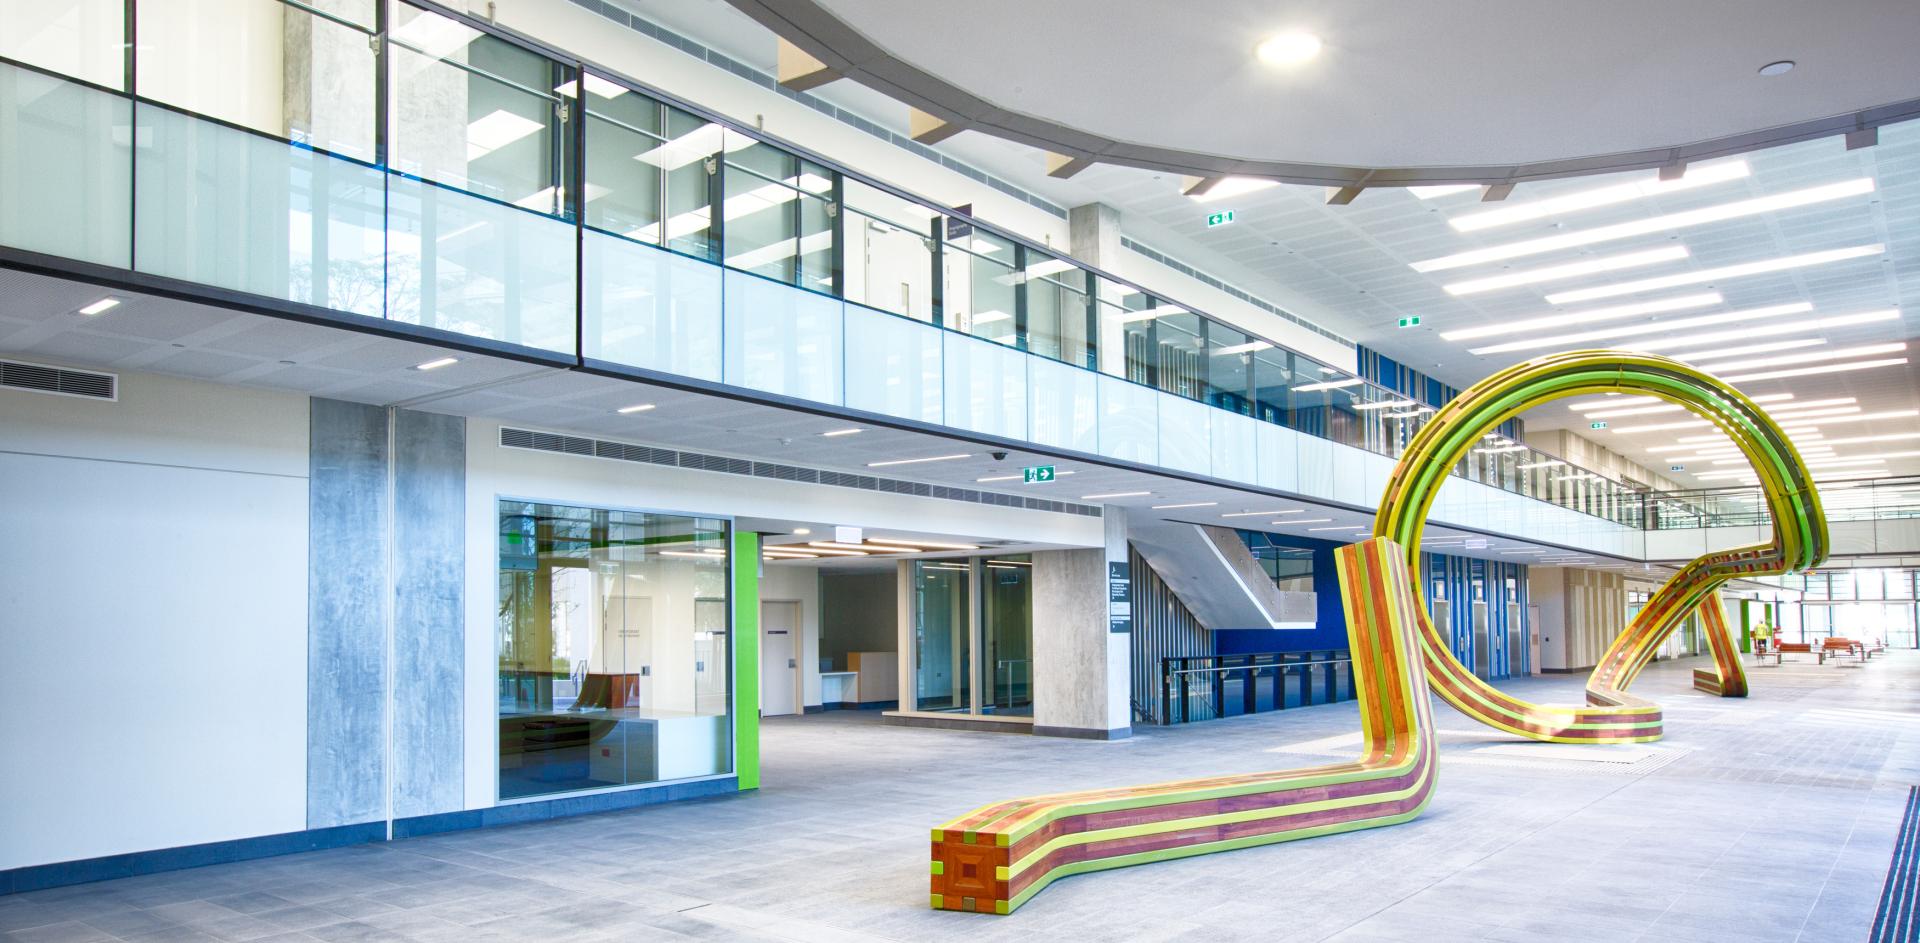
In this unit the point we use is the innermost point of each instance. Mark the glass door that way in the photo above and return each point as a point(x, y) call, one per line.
point(1007, 622)
point(942, 633)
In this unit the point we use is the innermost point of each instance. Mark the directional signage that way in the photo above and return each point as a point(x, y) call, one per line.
point(1219, 219)
point(1037, 473)
point(1598, 425)
point(1410, 322)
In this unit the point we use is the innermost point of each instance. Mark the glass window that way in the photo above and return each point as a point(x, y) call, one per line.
point(1229, 369)
point(645, 161)
point(1180, 358)
point(1272, 381)
point(978, 295)
point(1007, 618)
point(84, 39)
point(1057, 309)
point(478, 113)
point(613, 657)
point(942, 631)
point(265, 65)
point(779, 215)
point(889, 253)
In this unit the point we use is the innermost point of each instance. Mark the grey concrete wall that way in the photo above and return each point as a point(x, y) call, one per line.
point(346, 613)
point(429, 536)
point(1070, 665)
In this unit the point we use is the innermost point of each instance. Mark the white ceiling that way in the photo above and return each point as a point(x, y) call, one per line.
point(1396, 84)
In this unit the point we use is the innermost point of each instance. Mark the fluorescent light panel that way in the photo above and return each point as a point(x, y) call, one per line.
point(1612, 263)
point(1698, 357)
point(1232, 187)
point(1652, 224)
point(1329, 385)
point(836, 433)
point(1614, 313)
point(1810, 371)
point(1721, 273)
point(1394, 404)
point(635, 408)
point(1265, 513)
point(1599, 196)
point(917, 461)
point(101, 307)
point(1115, 494)
point(1193, 504)
point(1636, 330)
point(437, 364)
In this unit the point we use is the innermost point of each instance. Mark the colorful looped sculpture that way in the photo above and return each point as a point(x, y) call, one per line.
point(997, 857)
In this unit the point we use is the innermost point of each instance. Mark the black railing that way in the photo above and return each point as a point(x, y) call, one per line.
point(1205, 687)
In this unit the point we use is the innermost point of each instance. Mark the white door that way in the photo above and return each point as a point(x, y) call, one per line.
point(779, 657)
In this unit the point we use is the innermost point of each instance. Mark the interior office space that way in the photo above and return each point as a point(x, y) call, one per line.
point(556, 408)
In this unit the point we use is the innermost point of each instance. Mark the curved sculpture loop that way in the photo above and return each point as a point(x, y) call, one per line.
point(1613, 716)
point(997, 857)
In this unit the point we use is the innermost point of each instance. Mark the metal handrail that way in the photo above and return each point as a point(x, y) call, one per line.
point(1178, 674)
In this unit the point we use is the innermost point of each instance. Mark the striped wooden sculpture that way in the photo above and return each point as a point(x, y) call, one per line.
point(1728, 678)
point(1611, 715)
point(997, 857)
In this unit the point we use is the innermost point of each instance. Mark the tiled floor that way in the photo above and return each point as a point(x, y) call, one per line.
point(1767, 819)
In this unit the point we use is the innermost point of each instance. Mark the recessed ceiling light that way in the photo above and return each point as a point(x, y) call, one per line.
point(927, 544)
point(1115, 494)
point(803, 531)
point(1500, 449)
point(1245, 348)
point(1549, 273)
point(1234, 186)
point(1653, 224)
point(1289, 48)
point(635, 408)
point(1306, 520)
point(916, 461)
point(100, 307)
point(1697, 357)
point(1602, 196)
point(1794, 427)
point(1265, 513)
point(1782, 67)
point(1196, 504)
point(1837, 353)
point(1389, 404)
point(437, 364)
point(1716, 274)
point(1328, 385)
point(835, 433)
point(1613, 313)
point(1442, 189)
point(1344, 527)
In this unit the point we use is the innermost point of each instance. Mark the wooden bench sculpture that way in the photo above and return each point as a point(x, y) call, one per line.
point(997, 857)
point(1800, 648)
point(1842, 646)
point(1728, 678)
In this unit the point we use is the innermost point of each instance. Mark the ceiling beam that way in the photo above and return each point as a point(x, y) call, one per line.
point(926, 128)
point(1198, 186)
point(1494, 193)
point(799, 71)
point(1062, 166)
point(1341, 196)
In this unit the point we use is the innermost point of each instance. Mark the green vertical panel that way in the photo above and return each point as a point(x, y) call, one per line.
point(746, 658)
point(1746, 624)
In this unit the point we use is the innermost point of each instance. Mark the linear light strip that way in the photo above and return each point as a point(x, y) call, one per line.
point(1636, 330)
point(1600, 196)
point(1697, 357)
point(1595, 315)
point(1612, 263)
point(1653, 224)
point(1810, 371)
point(1781, 264)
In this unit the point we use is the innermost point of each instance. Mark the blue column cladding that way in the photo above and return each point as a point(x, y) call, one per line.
point(1466, 584)
point(429, 650)
point(346, 613)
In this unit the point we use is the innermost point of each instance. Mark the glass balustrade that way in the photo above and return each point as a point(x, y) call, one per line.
point(384, 160)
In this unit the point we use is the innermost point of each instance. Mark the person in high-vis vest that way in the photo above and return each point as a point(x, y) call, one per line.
point(1762, 634)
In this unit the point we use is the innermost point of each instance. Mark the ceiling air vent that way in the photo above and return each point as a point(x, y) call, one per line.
point(58, 380)
point(648, 455)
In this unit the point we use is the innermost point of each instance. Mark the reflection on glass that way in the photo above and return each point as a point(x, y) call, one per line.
point(1057, 310)
point(479, 113)
point(889, 251)
point(81, 38)
point(1006, 617)
point(942, 629)
point(978, 290)
point(261, 64)
point(777, 222)
point(612, 629)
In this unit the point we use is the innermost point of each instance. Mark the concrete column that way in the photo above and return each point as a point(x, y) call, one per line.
point(1093, 234)
point(429, 626)
point(1081, 664)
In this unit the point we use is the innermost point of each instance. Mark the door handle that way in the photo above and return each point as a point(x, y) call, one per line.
point(792, 664)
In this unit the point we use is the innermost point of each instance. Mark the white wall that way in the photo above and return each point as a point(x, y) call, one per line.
point(799, 584)
point(153, 610)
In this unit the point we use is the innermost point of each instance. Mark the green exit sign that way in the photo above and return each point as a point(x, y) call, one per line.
point(1410, 322)
point(1038, 473)
point(1597, 425)
point(1219, 219)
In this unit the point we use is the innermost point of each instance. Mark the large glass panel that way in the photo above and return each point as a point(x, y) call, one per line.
point(624, 190)
point(942, 630)
point(650, 308)
point(1230, 368)
point(64, 168)
point(266, 65)
point(778, 220)
point(978, 292)
point(1180, 354)
point(889, 254)
point(81, 38)
point(1057, 308)
point(465, 264)
point(477, 112)
point(612, 633)
point(1006, 616)
point(224, 207)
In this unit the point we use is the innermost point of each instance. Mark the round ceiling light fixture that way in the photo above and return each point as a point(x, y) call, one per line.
point(1782, 67)
point(1290, 48)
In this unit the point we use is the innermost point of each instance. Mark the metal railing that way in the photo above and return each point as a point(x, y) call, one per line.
point(1206, 687)
point(1745, 506)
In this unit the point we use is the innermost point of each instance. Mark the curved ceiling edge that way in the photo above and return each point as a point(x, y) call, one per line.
point(849, 54)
